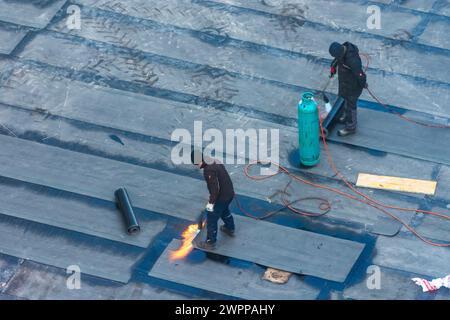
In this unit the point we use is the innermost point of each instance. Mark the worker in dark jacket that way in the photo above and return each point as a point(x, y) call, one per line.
point(221, 193)
point(352, 81)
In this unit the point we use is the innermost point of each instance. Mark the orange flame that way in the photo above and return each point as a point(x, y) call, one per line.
point(188, 236)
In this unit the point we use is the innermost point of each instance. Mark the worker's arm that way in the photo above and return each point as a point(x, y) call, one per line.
point(355, 66)
point(213, 185)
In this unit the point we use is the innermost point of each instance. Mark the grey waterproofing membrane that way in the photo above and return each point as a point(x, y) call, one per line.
point(246, 68)
point(58, 248)
point(436, 7)
point(10, 38)
point(402, 288)
point(149, 190)
point(343, 210)
point(78, 101)
point(234, 23)
point(439, 7)
point(200, 81)
point(99, 140)
point(445, 10)
point(436, 33)
point(288, 249)
point(443, 189)
point(382, 131)
point(67, 211)
point(148, 187)
point(125, 32)
point(434, 227)
point(404, 252)
point(420, 5)
point(354, 14)
point(8, 266)
point(38, 282)
point(32, 13)
point(241, 282)
point(425, 97)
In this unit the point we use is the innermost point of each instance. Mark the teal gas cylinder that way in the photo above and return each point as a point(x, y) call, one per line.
point(308, 130)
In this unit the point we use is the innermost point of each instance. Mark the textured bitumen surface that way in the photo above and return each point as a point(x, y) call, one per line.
point(86, 111)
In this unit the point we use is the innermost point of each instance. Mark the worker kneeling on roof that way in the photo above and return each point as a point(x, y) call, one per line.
point(221, 193)
point(352, 81)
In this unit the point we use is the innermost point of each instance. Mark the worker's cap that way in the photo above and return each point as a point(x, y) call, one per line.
point(336, 50)
point(196, 156)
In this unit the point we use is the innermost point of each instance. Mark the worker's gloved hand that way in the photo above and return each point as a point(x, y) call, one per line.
point(210, 207)
point(332, 71)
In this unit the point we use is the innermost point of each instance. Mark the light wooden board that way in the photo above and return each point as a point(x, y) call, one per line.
point(396, 183)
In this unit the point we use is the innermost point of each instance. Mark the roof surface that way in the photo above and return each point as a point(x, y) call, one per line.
point(86, 111)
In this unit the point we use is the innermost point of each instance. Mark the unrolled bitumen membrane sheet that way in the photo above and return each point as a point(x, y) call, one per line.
point(125, 31)
point(35, 14)
point(35, 281)
point(371, 136)
point(434, 227)
point(404, 288)
point(73, 212)
point(436, 33)
point(62, 248)
point(404, 252)
point(165, 192)
point(98, 177)
point(83, 113)
point(443, 189)
point(243, 282)
point(259, 31)
point(324, 11)
point(384, 131)
point(76, 103)
point(96, 138)
point(10, 38)
point(288, 249)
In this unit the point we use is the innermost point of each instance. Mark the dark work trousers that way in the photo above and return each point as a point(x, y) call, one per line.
point(350, 112)
point(221, 210)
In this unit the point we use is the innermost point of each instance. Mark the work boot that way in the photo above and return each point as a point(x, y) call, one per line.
point(227, 231)
point(206, 245)
point(345, 132)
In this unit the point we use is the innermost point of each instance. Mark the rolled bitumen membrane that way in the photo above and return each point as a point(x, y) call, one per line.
point(125, 207)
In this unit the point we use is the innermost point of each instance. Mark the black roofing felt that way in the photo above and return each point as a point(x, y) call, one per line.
point(83, 112)
point(232, 280)
point(289, 249)
point(63, 248)
point(10, 38)
point(35, 14)
point(393, 134)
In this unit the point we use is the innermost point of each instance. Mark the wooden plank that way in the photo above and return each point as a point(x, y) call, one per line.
point(396, 183)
